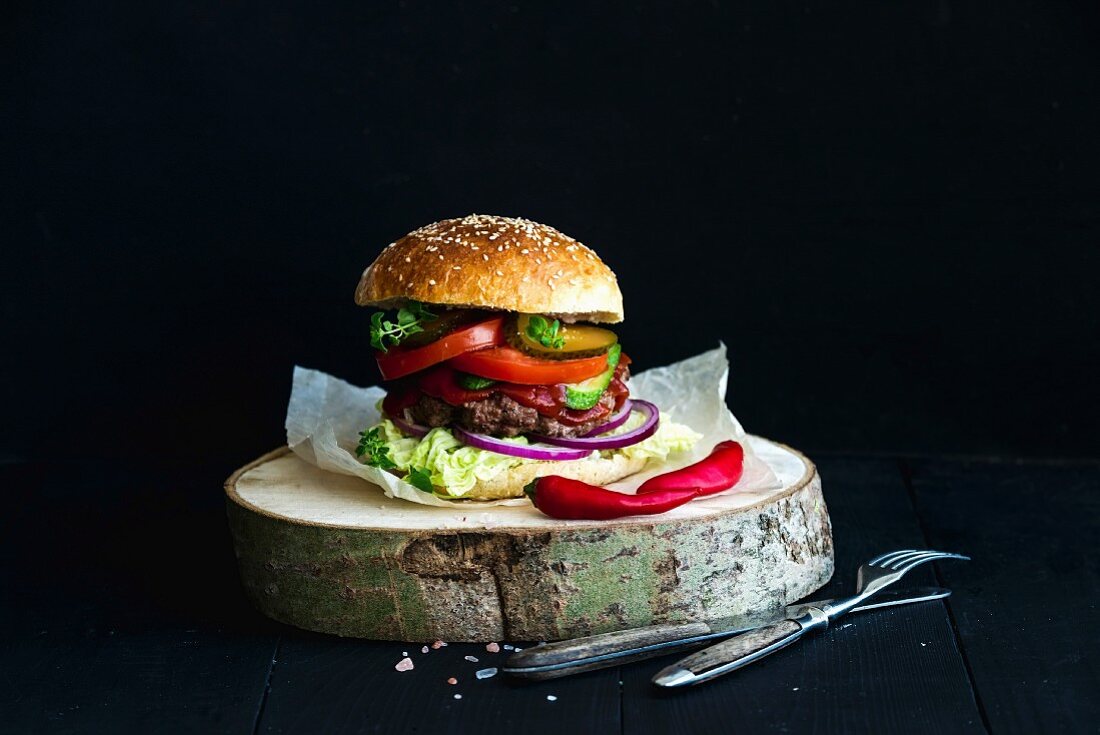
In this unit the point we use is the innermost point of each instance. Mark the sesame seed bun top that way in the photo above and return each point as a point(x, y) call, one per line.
point(491, 262)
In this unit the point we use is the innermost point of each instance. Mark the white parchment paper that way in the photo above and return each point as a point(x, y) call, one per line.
point(326, 414)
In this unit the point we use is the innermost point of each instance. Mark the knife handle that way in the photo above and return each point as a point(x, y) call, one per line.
point(564, 658)
point(741, 650)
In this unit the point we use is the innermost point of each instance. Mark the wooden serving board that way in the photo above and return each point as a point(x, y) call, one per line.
point(331, 553)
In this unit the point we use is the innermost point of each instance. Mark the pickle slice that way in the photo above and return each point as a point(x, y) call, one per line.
point(444, 322)
point(537, 336)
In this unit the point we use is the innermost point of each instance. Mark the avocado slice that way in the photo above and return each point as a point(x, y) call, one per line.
point(586, 394)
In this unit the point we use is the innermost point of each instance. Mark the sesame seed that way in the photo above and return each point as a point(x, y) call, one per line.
point(456, 268)
point(500, 273)
point(525, 251)
point(408, 259)
point(485, 255)
point(431, 281)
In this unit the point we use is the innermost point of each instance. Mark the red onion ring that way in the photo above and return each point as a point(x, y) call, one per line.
point(615, 421)
point(483, 441)
point(409, 427)
point(612, 442)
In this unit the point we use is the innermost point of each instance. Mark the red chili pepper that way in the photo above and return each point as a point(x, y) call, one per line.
point(718, 471)
point(559, 497)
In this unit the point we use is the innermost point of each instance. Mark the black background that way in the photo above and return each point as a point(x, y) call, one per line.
point(889, 212)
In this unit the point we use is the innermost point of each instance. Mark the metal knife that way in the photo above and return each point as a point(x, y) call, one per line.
point(872, 578)
point(563, 658)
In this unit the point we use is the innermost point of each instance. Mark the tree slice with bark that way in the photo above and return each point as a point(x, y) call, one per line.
point(331, 553)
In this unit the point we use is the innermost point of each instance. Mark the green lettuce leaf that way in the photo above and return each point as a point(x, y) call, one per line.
point(669, 438)
point(458, 467)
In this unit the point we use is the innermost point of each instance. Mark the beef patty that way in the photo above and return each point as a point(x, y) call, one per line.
point(499, 415)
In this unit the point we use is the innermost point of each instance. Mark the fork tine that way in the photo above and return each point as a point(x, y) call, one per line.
point(900, 556)
point(882, 557)
point(932, 557)
point(918, 557)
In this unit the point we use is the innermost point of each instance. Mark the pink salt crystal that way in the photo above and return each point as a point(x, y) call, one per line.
point(493, 648)
point(438, 644)
point(424, 649)
point(404, 664)
point(452, 680)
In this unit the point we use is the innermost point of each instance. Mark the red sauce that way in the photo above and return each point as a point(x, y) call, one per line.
point(549, 400)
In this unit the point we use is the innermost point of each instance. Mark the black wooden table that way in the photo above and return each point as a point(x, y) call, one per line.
point(122, 613)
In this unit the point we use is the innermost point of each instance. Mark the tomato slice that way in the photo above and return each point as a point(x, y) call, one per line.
point(399, 362)
point(511, 365)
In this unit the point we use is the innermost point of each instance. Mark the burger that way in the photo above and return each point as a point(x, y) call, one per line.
point(490, 334)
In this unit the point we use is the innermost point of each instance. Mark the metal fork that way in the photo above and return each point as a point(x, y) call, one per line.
point(883, 571)
point(874, 576)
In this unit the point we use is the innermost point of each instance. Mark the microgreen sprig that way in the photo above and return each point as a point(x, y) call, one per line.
point(409, 320)
point(373, 446)
point(546, 333)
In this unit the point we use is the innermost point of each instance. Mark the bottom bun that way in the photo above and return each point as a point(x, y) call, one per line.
point(509, 484)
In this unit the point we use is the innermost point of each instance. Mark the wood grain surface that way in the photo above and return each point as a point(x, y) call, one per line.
point(575, 655)
point(1026, 608)
point(738, 647)
point(96, 638)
